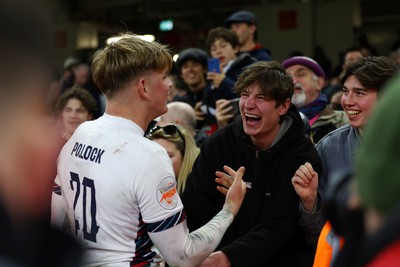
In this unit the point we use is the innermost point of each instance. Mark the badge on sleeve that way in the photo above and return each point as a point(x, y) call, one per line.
point(167, 194)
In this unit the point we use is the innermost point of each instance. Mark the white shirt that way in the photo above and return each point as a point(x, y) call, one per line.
point(116, 184)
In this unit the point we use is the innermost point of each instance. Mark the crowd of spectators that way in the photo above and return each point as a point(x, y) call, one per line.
point(225, 157)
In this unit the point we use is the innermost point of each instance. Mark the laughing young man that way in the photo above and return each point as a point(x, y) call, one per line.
point(269, 142)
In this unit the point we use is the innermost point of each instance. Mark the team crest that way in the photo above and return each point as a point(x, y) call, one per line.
point(167, 194)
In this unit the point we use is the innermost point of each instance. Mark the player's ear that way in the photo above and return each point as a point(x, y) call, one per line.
point(142, 90)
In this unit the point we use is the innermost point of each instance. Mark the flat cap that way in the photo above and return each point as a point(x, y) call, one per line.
point(241, 16)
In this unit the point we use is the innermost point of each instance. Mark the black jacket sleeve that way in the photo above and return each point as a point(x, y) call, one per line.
point(200, 198)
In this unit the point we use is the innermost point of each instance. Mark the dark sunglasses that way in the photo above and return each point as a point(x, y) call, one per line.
point(168, 130)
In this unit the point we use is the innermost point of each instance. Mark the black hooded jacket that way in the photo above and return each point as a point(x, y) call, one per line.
point(265, 232)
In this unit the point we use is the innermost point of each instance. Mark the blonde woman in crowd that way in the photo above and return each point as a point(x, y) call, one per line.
point(181, 148)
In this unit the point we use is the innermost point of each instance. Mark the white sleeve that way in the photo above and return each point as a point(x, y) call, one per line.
point(179, 248)
point(58, 210)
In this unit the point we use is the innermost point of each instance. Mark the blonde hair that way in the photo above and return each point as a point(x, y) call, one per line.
point(186, 147)
point(123, 60)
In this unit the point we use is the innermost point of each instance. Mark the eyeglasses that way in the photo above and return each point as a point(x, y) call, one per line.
point(167, 130)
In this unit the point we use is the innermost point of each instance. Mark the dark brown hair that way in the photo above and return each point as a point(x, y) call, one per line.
point(270, 76)
point(372, 72)
point(221, 33)
point(82, 95)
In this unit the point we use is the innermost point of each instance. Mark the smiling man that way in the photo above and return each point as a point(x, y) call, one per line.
point(76, 106)
point(192, 66)
point(362, 81)
point(269, 142)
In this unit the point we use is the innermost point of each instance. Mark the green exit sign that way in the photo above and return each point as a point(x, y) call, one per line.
point(166, 25)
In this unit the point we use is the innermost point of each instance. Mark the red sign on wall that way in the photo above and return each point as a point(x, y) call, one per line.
point(288, 20)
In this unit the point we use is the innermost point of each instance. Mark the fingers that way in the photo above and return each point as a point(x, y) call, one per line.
point(221, 102)
point(236, 192)
point(222, 190)
point(224, 118)
point(309, 167)
point(226, 180)
point(296, 180)
point(223, 106)
point(198, 113)
point(238, 174)
point(305, 172)
point(224, 111)
point(230, 171)
point(200, 116)
point(211, 75)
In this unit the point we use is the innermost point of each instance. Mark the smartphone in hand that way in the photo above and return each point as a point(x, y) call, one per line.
point(213, 65)
point(235, 105)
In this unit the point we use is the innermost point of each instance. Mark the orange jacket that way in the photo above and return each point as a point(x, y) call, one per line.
point(329, 245)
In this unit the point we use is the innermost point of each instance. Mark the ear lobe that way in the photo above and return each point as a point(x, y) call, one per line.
point(320, 83)
point(142, 89)
point(253, 28)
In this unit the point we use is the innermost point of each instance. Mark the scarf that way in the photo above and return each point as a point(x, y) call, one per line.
point(314, 108)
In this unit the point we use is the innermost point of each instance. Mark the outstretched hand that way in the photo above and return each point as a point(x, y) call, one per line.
point(235, 194)
point(305, 183)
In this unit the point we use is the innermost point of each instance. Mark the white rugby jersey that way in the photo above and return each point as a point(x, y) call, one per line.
point(117, 186)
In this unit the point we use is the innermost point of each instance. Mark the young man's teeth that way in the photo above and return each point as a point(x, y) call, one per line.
point(252, 116)
point(353, 112)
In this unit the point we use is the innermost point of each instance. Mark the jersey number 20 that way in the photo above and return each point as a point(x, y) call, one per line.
point(87, 184)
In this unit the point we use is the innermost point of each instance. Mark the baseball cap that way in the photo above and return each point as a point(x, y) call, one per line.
point(305, 61)
point(241, 16)
point(195, 54)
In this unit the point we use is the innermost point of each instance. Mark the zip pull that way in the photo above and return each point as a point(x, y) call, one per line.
point(257, 154)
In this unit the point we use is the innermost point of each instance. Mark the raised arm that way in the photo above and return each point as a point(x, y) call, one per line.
point(180, 248)
point(305, 182)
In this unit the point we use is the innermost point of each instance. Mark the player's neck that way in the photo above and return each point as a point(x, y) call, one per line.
point(131, 112)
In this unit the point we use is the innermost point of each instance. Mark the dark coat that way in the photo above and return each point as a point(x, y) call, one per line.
point(231, 75)
point(261, 54)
